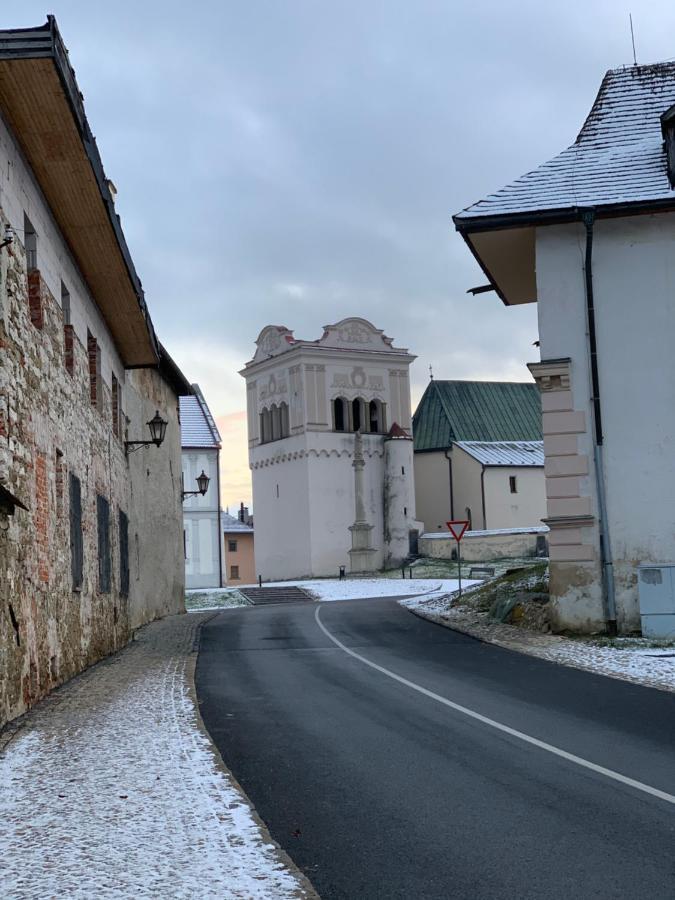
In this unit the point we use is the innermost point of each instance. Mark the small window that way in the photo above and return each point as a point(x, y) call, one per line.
point(65, 304)
point(94, 359)
point(339, 414)
point(103, 519)
point(116, 406)
point(513, 486)
point(234, 572)
point(231, 546)
point(76, 542)
point(124, 554)
point(30, 243)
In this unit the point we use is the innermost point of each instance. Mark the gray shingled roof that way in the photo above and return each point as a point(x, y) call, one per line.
point(505, 453)
point(618, 156)
point(197, 425)
point(229, 524)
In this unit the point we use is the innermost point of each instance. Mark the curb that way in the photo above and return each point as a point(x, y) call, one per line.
point(478, 633)
point(306, 889)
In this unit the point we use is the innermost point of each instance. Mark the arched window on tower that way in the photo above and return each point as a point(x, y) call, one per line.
point(276, 422)
point(358, 417)
point(340, 414)
point(376, 417)
point(265, 429)
point(283, 415)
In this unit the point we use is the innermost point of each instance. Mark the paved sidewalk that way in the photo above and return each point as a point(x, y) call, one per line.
point(111, 788)
point(649, 667)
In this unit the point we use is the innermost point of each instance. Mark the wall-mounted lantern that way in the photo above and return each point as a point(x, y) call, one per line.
point(202, 484)
point(7, 237)
point(157, 427)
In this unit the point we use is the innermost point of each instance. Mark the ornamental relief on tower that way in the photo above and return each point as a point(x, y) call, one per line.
point(358, 380)
point(276, 386)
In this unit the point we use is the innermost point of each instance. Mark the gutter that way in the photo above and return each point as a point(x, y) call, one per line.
point(482, 494)
point(452, 492)
point(609, 599)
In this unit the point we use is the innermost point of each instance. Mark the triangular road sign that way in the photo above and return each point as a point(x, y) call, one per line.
point(457, 528)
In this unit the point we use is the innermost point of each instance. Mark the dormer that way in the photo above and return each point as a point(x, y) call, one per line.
point(668, 132)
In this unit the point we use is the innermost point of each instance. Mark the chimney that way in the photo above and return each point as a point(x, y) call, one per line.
point(242, 512)
point(668, 132)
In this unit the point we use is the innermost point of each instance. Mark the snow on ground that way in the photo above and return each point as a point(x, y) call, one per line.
point(111, 789)
point(368, 588)
point(631, 659)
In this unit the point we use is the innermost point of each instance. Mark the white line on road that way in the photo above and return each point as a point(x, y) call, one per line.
point(526, 738)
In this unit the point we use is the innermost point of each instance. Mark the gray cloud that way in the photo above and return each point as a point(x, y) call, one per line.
point(298, 162)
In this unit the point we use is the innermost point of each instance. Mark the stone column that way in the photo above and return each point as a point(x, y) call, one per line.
point(362, 555)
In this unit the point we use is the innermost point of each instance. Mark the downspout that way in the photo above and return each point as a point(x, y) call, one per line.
point(219, 525)
point(482, 495)
point(452, 492)
point(588, 217)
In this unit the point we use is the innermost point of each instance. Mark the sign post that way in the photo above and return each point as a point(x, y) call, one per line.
point(457, 528)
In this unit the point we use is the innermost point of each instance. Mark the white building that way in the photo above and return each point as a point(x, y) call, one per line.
point(590, 237)
point(325, 496)
point(200, 442)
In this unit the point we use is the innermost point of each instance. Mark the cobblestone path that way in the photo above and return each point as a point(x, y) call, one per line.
point(111, 788)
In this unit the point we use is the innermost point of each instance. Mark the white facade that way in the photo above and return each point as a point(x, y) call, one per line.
point(634, 286)
point(589, 236)
point(202, 538)
point(305, 400)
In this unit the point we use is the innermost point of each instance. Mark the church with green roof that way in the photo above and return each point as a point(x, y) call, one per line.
point(479, 455)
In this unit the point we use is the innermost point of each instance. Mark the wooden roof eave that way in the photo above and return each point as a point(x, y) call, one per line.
point(41, 102)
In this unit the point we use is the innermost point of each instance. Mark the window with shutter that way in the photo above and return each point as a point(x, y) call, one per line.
point(103, 517)
point(124, 554)
point(76, 543)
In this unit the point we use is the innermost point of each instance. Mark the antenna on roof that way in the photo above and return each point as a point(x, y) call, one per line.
point(431, 373)
point(632, 37)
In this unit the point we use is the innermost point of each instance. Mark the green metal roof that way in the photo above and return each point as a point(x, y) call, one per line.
point(452, 411)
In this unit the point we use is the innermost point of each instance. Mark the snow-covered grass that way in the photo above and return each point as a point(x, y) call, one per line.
point(202, 599)
point(369, 588)
point(640, 660)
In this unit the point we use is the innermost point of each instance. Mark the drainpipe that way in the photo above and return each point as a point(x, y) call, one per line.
point(588, 217)
point(452, 493)
point(482, 495)
point(220, 531)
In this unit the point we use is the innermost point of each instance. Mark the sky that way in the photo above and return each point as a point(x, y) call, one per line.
point(294, 162)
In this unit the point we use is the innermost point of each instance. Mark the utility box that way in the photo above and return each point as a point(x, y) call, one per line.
point(656, 585)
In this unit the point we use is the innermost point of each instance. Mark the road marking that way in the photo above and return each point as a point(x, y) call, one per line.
point(513, 732)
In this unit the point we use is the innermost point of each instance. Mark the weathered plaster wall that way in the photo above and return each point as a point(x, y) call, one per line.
point(466, 487)
point(526, 507)
point(432, 489)
point(243, 557)
point(479, 547)
point(48, 430)
point(155, 508)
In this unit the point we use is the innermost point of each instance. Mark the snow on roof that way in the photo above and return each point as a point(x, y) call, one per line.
point(617, 158)
point(230, 523)
point(505, 453)
point(197, 425)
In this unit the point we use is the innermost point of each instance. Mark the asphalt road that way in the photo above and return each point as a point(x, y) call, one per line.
point(377, 788)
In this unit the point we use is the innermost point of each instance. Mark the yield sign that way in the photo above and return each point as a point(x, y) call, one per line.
point(457, 528)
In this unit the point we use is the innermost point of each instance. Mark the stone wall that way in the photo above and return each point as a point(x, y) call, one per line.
point(50, 431)
point(481, 546)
